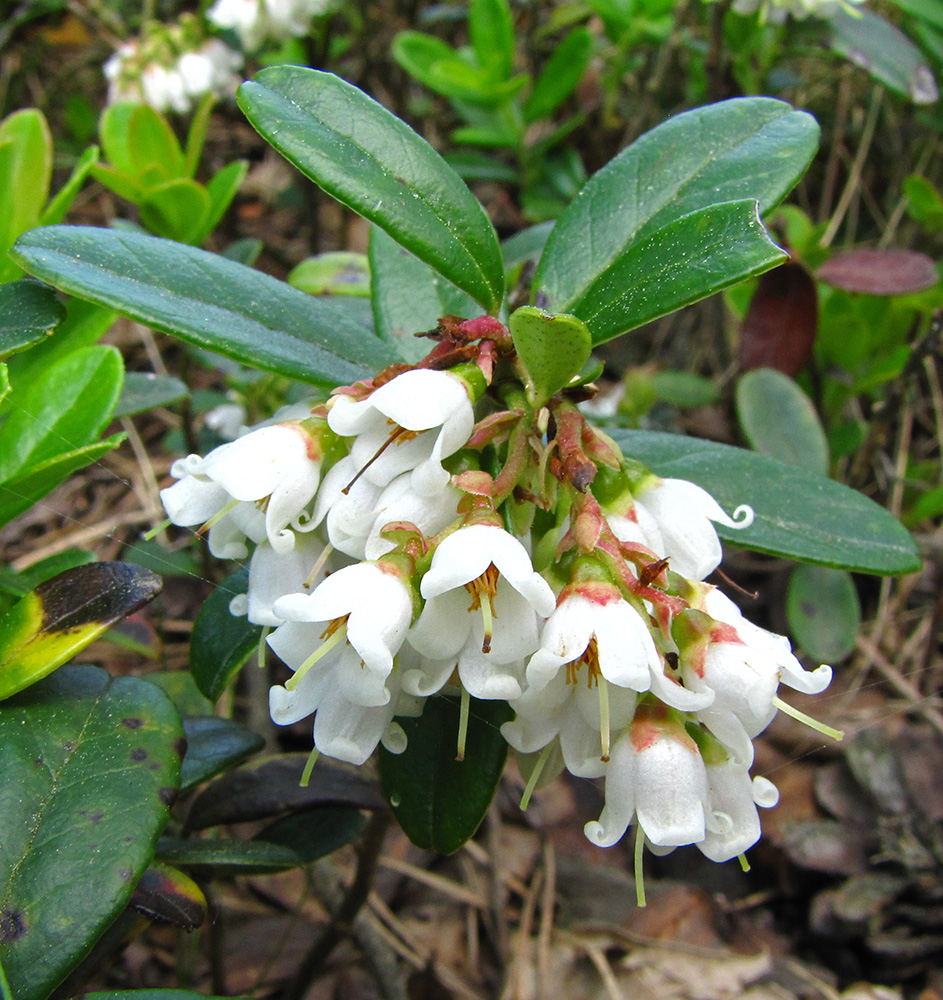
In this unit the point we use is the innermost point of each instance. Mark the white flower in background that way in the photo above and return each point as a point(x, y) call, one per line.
point(409, 424)
point(228, 420)
point(674, 518)
point(490, 636)
point(657, 776)
point(259, 21)
point(776, 11)
point(252, 487)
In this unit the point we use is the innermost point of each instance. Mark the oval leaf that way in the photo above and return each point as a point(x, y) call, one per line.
point(145, 390)
point(778, 419)
point(438, 800)
point(214, 745)
point(48, 626)
point(798, 514)
point(28, 314)
point(369, 160)
point(170, 896)
point(879, 272)
point(89, 767)
point(207, 300)
point(780, 325)
point(177, 209)
point(553, 349)
point(221, 642)
point(215, 858)
point(823, 611)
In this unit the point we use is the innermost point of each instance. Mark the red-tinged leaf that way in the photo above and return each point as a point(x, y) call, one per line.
point(879, 272)
point(780, 325)
point(168, 895)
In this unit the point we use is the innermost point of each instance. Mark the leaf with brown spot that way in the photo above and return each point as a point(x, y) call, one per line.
point(77, 828)
point(780, 325)
point(52, 623)
point(879, 272)
point(170, 896)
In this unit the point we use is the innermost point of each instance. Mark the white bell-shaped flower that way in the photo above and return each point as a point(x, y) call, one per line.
point(733, 825)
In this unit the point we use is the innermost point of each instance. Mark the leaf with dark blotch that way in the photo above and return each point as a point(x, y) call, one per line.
point(48, 626)
point(879, 272)
point(271, 787)
point(440, 801)
point(780, 325)
point(214, 745)
point(89, 766)
point(170, 896)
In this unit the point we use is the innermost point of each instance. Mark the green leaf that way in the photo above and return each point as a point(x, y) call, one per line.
point(560, 76)
point(924, 203)
point(169, 896)
point(315, 833)
point(153, 148)
point(115, 133)
point(885, 52)
point(369, 160)
point(89, 767)
point(409, 297)
point(122, 185)
point(823, 611)
point(145, 390)
point(748, 148)
point(527, 245)
point(176, 209)
point(196, 134)
point(474, 166)
point(66, 408)
point(25, 172)
point(689, 259)
point(491, 28)
point(221, 858)
point(28, 314)
point(207, 300)
point(222, 188)
point(779, 420)
point(55, 211)
point(553, 350)
point(930, 10)
point(20, 584)
point(798, 514)
point(31, 484)
point(272, 787)
point(52, 623)
point(684, 389)
point(340, 272)
point(438, 800)
point(214, 745)
point(220, 642)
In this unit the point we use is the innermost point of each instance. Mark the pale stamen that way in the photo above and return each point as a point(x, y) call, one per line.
point(399, 432)
point(334, 635)
point(463, 713)
point(318, 566)
point(535, 776)
point(309, 767)
point(217, 517)
point(262, 647)
point(639, 872)
point(820, 727)
point(156, 530)
point(603, 718)
point(485, 585)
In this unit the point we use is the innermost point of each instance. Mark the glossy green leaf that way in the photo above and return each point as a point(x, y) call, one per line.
point(779, 420)
point(263, 789)
point(177, 209)
point(340, 272)
point(553, 350)
point(409, 297)
point(823, 611)
point(56, 210)
point(691, 258)
point(66, 408)
point(369, 160)
point(196, 134)
point(924, 202)
point(21, 491)
point(207, 300)
point(438, 800)
point(145, 390)
point(418, 54)
point(219, 858)
point(28, 314)
point(885, 52)
point(527, 245)
point(168, 895)
point(115, 132)
point(748, 148)
point(315, 833)
point(560, 76)
point(214, 745)
point(221, 642)
point(928, 9)
point(52, 623)
point(798, 514)
point(88, 769)
point(25, 172)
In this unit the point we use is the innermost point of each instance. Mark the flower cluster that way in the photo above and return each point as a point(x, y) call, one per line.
point(776, 11)
point(258, 22)
point(437, 529)
point(170, 67)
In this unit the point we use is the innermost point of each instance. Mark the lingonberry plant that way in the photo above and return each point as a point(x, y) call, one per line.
point(445, 552)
